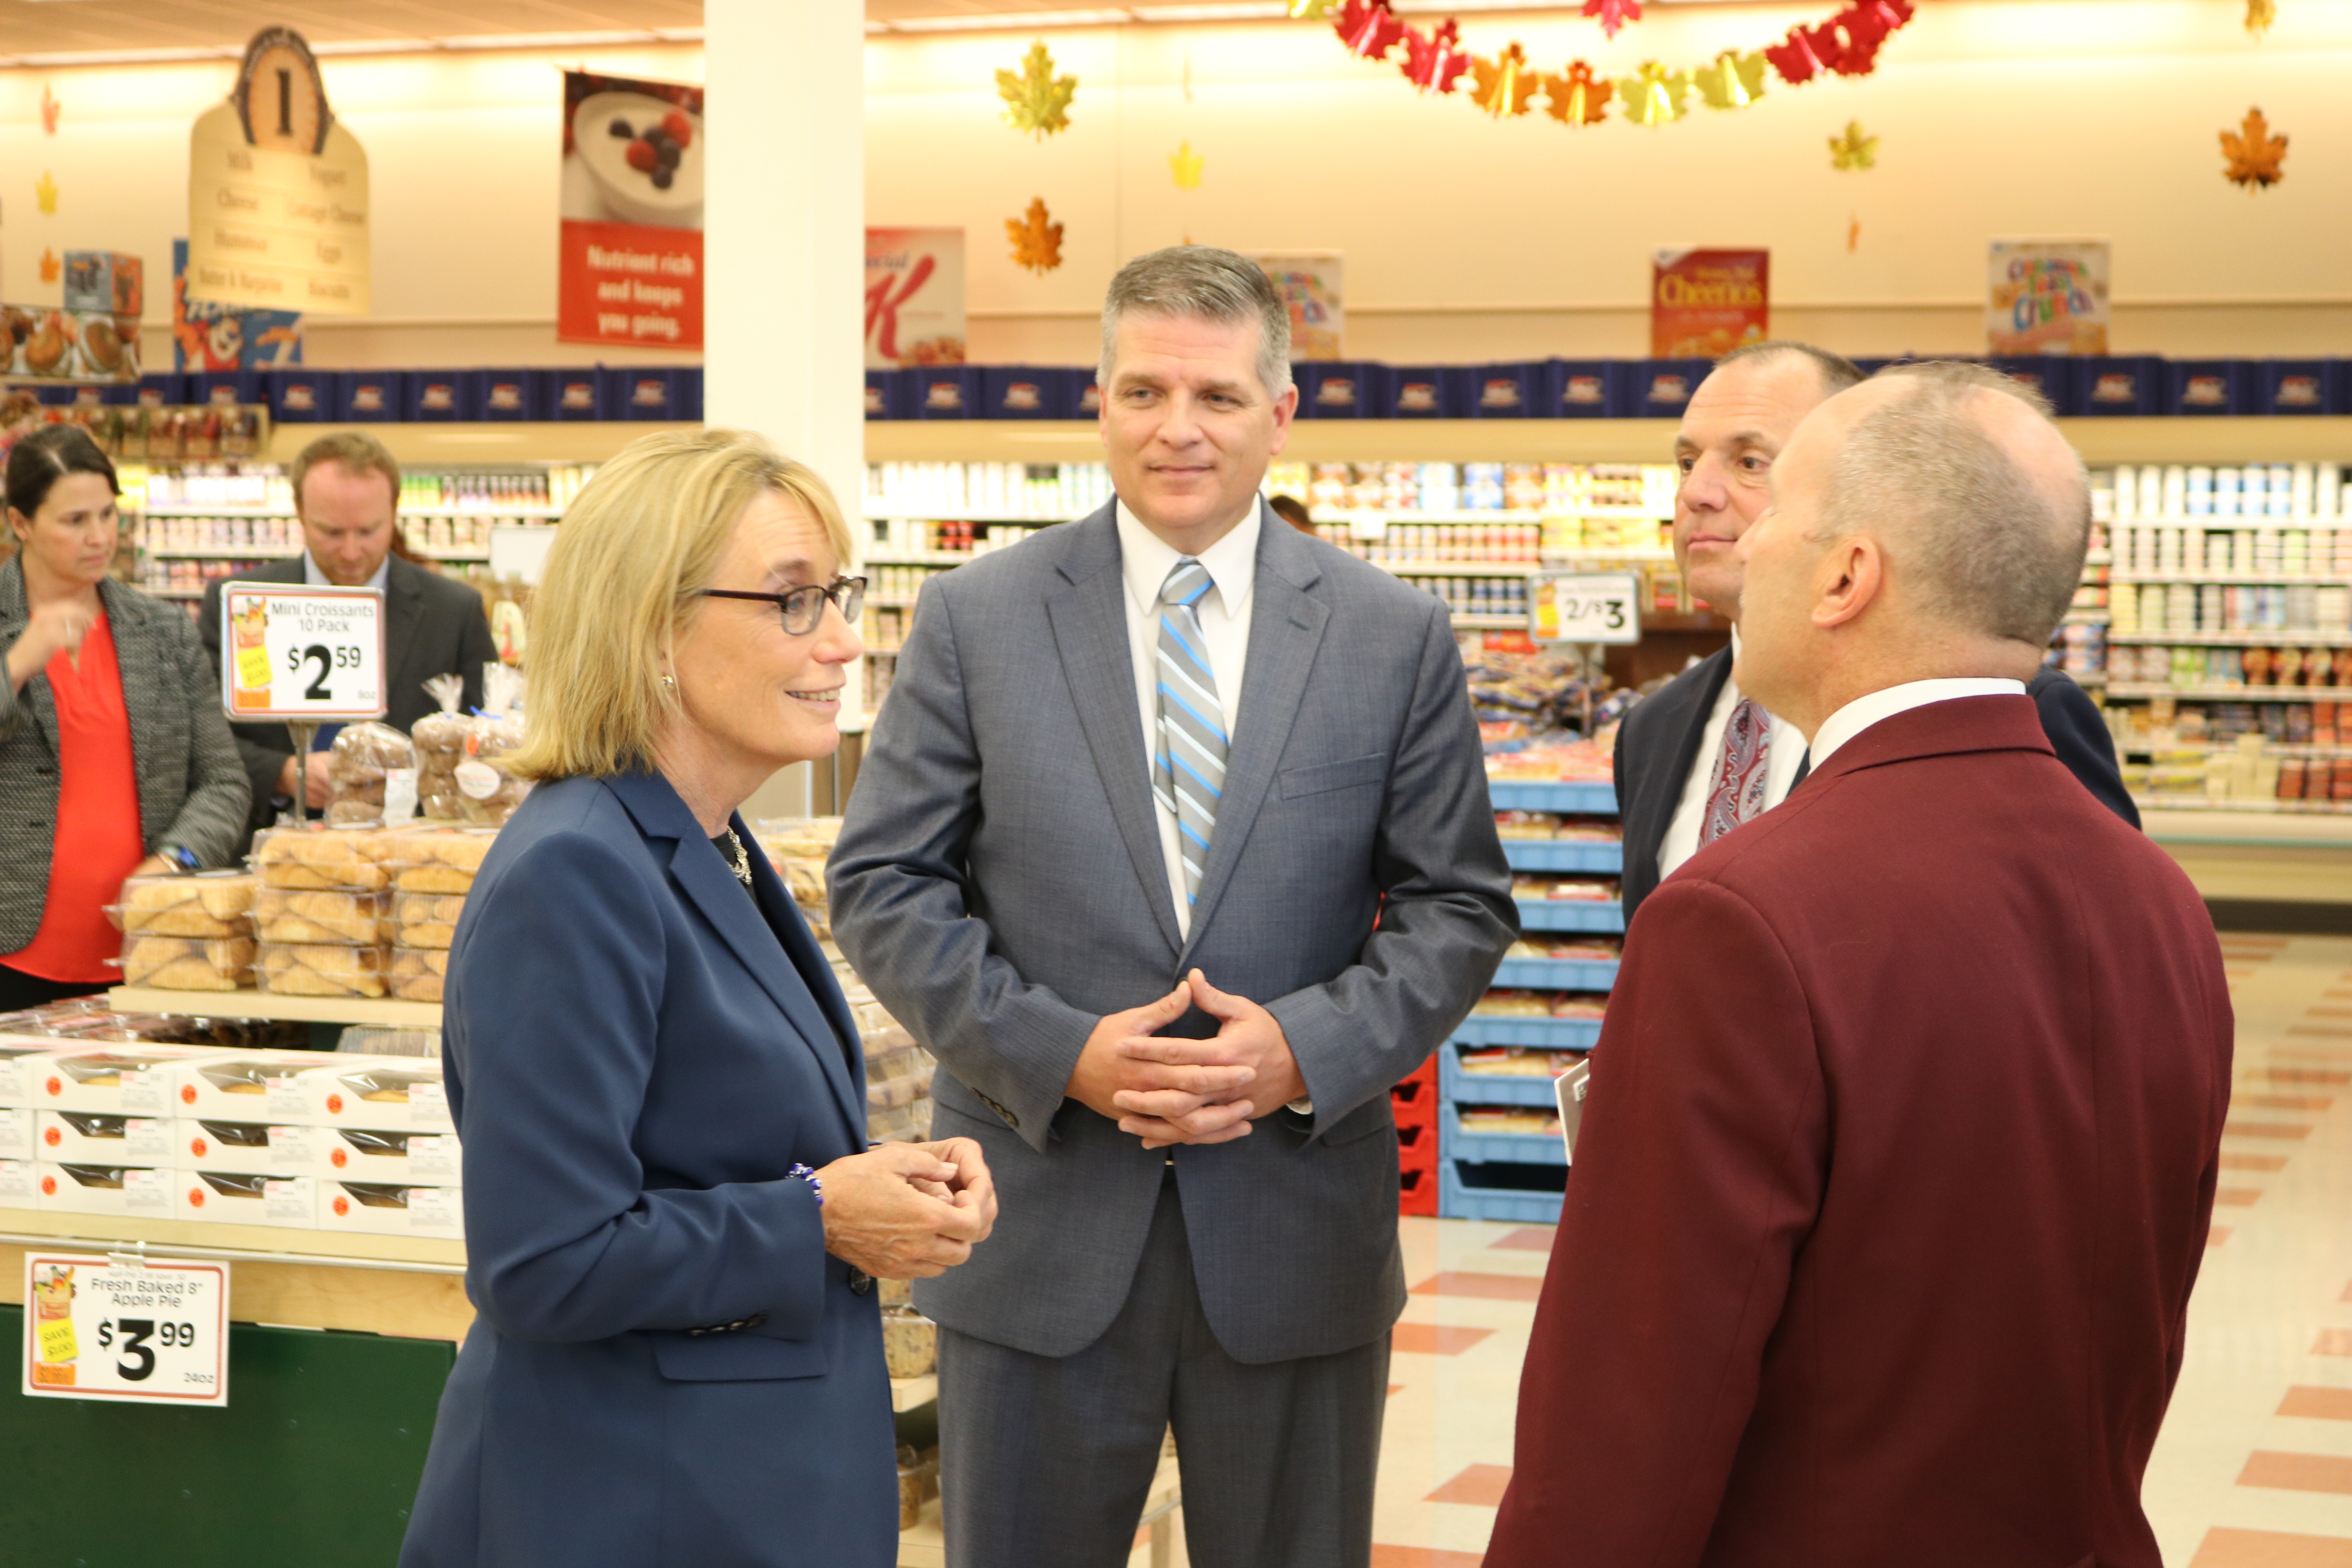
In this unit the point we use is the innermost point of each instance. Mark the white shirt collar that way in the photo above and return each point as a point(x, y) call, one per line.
point(314, 578)
point(1865, 710)
point(1146, 559)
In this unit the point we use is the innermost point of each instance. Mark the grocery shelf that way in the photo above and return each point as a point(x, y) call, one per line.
point(1538, 1032)
point(1578, 797)
point(435, 509)
point(2123, 578)
point(2234, 693)
point(209, 1238)
point(2270, 638)
point(1492, 623)
point(531, 443)
point(1500, 1190)
point(880, 512)
point(256, 553)
point(1498, 1147)
point(1459, 1088)
point(1454, 569)
point(384, 1010)
point(1607, 857)
point(1558, 973)
point(1571, 914)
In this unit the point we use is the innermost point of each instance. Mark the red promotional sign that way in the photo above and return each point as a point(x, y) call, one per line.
point(1705, 303)
point(631, 262)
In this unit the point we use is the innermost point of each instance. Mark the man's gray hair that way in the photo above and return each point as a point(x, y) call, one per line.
point(1996, 549)
point(1206, 284)
point(1837, 371)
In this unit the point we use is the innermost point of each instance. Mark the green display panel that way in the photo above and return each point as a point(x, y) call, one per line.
point(315, 1460)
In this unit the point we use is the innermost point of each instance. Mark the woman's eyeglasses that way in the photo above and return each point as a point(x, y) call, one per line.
point(804, 607)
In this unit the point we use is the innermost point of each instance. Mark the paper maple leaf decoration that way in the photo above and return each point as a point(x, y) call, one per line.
point(1435, 61)
point(49, 107)
point(1576, 97)
point(1503, 85)
point(2255, 154)
point(1853, 149)
point(1184, 165)
point(45, 192)
point(1310, 10)
point(1035, 99)
point(1733, 81)
point(49, 266)
point(1037, 239)
point(1613, 14)
point(2260, 15)
point(1653, 95)
point(1368, 27)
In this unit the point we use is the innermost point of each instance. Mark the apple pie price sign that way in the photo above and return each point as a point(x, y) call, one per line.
point(1585, 607)
point(123, 1329)
point(306, 655)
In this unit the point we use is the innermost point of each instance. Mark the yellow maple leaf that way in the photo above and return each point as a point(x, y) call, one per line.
point(1035, 99)
point(2260, 15)
point(1184, 165)
point(1310, 10)
point(2255, 154)
point(45, 192)
point(50, 266)
point(1653, 95)
point(1734, 81)
point(1503, 85)
point(1036, 240)
point(1855, 149)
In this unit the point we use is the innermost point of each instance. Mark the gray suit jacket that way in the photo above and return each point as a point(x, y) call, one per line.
point(432, 626)
point(1000, 886)
point(191, 793)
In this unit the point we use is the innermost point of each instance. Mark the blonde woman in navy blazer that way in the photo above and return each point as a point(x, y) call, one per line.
point(673, 1219)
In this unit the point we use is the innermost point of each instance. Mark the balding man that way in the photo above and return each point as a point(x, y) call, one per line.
point(1880, 1241)
point(1700, 756)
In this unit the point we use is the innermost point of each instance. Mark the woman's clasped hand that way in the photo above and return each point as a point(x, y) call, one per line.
point(908, 1211)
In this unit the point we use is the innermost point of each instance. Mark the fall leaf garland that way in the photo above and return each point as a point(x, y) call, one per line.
point(1505, 85)
point(2252, 154)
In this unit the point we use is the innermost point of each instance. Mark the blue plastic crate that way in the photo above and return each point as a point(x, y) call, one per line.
point(1541, 1033)
point(2056, 376)
point(1580, 388)
point(1460, 1088)
point(1575, 799)
point(1506, 391)
point(435, 395)
point(1461, 1192)
point(371, 396)
point(298, 395)
point(1426, 392)
point(2211, 386)
point(943, 391)
point(512, 394)
point(1336, 389)
point(1024, 392)
point(2121, 384)
point(1571, 914)
point(2299, 385)
point(1563, 854)
point(1558, 973)
point(1496, 1148)
point(1659, 388)
point(886, 393)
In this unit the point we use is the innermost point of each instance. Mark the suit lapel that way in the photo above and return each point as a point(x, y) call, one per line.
point(404, 611)
point(1286, 630)
point(1089, 620)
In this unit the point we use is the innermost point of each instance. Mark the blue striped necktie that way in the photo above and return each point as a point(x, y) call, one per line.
point(1188, 763)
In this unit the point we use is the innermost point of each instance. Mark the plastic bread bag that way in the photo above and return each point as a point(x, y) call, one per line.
point(487, 793)
point(347, 860)
point(440, 742)
point(357, 766)
point(323, 969)
point(188, 963)
point(210, 904)
point(299, 915)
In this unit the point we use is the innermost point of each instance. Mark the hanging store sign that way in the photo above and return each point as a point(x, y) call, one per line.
point(278, 192)
point(124, 1327)
point(2046, 297)
point(303, 655)
point(914, 297)
point(1705, 303)
point(1585, 607)
point(1313, 284)
point(630, 267)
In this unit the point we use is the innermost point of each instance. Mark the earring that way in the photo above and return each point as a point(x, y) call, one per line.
point(669, 680)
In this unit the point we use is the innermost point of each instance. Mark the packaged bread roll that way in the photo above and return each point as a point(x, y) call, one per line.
point(910, 1344)
point(426, 919)
point(209, 904)
point(440, 742)
point(435, 861)
point(347, 859)
point(416, 973)
point(188, 963)
point(363, 754)
point(322, 968)
point(487, 793)
point(301, 914)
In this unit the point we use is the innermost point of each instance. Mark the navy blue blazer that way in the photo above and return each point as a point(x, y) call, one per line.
point(636, 1058)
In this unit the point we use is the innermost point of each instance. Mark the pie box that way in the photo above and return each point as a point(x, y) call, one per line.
point(16, 1087)
point(232, 1197)
point(118, 1079)
point(397, 1094)
point(255, 1148)
point(95, 1187)
point(243, 1148)
point(17, 1184)
point(244, 1086)
point(392, 1208)
point(99, 1137)
point(15, 1132)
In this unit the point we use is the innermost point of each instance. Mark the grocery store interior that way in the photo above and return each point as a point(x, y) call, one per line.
point(1470, 209)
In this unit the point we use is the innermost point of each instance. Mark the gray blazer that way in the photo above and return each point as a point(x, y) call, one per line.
point(191, 793)
point(1000, 886)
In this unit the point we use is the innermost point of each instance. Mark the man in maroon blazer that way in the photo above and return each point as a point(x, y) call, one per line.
point(1902, 1131)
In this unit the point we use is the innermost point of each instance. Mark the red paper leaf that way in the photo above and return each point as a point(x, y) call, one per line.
point(1793, 57)
point(1435, 61)
point(1368, 27)
point(1613, 14)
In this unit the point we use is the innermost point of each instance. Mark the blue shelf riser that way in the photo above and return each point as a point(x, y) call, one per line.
point(1458, 1087)
point(1558, 973)
point(1496, 1148)
point(1550, 1034)
point(1462, 1195)
point(1571, 914)
point(1570, 799)
point(1554, 855)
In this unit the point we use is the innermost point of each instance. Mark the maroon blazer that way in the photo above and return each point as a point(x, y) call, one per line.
point(1892, 1185)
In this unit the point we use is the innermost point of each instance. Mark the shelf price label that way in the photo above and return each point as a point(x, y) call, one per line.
point(1585, 607)
point(308, 656)
point(124, 1328)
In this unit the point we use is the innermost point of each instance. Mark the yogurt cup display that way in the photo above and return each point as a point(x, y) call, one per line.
point(605, 126)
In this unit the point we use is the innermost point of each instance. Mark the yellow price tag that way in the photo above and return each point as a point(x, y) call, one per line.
point(253, 668)
point(58, 1343)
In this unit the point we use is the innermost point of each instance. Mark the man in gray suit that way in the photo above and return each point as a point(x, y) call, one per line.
point(1174, 846)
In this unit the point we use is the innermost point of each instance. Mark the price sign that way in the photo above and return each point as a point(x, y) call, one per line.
point(308, 656)
point(1585, 607)
point(124, 1328)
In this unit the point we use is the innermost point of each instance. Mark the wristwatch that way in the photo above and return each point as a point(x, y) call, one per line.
point(183, 860)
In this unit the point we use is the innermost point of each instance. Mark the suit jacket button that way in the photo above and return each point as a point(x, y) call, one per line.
point(860, 1282)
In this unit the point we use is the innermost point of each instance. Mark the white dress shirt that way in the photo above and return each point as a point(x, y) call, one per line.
point(314, 578)
point(1788, 754)
point(1863, 711)
point(1145, 561)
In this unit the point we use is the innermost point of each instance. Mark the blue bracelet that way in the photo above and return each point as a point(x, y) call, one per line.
point(802, 1173)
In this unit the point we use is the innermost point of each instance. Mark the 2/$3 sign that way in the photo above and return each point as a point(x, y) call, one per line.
point(278, 191)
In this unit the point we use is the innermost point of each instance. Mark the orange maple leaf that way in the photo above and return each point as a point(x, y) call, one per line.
point(1577, 97)
point(1503, 85)
point(49, 266)
point(2255, 154)
point(1036, 240)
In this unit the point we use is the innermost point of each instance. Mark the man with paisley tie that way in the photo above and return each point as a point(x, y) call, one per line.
point(1173, 845)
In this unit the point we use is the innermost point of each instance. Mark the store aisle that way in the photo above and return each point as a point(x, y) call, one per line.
point(2254, 1466)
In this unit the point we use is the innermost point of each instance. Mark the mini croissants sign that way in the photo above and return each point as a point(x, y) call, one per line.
point(278, 191)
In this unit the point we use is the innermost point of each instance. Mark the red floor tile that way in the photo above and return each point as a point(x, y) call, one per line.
point(1431, 1557)
point(2264, 1130)
point(2333, 1342)
point(1482, 1286)
point(2281, 1102)
point(2234, 1161)
point(1480, 1484)
point(2309, 1075)
point(1527, 1238)
point(2332, 1012)
point(2308, 1052)
point(2326, 1031)
point(1441, 1339)
point(2297, 1472)
point(2319, 1403)
point(2255, 1549)
point(2236, 1197)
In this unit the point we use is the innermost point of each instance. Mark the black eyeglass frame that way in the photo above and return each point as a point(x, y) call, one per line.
point(847, 594)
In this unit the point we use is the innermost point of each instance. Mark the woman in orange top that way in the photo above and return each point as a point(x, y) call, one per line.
point(114, 757)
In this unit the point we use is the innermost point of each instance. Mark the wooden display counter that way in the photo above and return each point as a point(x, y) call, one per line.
point(345, 1010)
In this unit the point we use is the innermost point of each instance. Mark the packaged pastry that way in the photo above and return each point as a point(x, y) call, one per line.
point(387, 1093)
point(417, 973)
point(910, 1344)
point(440, 742)
point(357, 764)
point(308, 914)
point(322, 968)
point(209, 904)
point(345, 858)
point(392, 1208)
point(487, 793)
point(188, 963)
point(248, 1086)
point(425, 920)
point(435, 860)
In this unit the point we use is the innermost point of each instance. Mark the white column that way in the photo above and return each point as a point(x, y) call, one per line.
point(784, 242)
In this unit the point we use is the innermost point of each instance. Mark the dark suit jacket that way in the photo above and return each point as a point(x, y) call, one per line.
point(1657, 746)
point(637, 1053)
point(433, 626)
point(1879, 1241)
point(999, 883)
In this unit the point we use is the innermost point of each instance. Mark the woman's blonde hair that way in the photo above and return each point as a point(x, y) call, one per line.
point(629, 557)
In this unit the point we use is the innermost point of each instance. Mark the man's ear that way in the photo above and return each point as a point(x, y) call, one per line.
point(1852, 577)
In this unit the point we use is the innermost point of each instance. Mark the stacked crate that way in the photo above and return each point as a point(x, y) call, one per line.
point(1414, 1103)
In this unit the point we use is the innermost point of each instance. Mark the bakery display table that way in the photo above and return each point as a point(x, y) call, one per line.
point(345, 1010)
